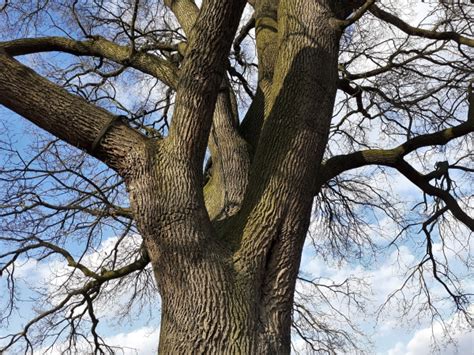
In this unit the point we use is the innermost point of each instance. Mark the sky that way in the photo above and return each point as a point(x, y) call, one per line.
point(390, 334)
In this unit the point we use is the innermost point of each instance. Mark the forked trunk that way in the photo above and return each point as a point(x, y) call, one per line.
point(208, 305)
point(227, 284)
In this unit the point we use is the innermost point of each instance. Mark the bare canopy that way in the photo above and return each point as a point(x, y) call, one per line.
point(221, 129)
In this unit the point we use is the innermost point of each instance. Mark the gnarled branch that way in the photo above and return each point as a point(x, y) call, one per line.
point(64, 115)
point(416, 31)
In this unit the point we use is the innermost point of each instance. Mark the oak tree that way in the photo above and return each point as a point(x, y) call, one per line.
point(240, 122)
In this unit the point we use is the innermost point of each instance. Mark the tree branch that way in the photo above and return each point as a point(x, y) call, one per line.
point(356, 15)
point(201, 76)
point(224, 191)
point(186, 12)
point(91, 287)
point(226, 187)
point(416, 31)
point(266, 35)
point(419, 180)
point(390, 157)
point(98, 47)
point(394, 158)
point(64, 115)
point(345, 85)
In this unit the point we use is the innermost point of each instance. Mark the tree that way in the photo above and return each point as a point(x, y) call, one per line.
point(225, 241)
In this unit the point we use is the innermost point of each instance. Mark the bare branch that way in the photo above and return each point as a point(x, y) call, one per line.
point(355, 16)
point(415, 31)
point(99, 47)
point(72, 119)
point(391, 157)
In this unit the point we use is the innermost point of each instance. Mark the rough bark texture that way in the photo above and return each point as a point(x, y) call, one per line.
point(230, 289)
point(276, 213)
point(190, 262)
point(225, 257)
point(69, 118)
point(266, 30)
point(225, 251)
point(225, 190)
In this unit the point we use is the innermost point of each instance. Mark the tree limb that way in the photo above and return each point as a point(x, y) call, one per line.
point(356, 15)
point(266, 35)
point(201, 76)
point(228, 177)
point(65, 115)
point(98, 47)
point(419, 180)
point(416, 31)
point(394, 158)
point(390, 157)
point(186, 12)
point(91, 287)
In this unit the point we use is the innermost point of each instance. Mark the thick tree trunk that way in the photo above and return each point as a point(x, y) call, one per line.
point(226, 288)
point(226, 284)
point(225, 256)
point(229, 290)
point(206, 309)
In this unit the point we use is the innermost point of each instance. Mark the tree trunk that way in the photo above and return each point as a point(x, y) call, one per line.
point(206, 307)
point(225, 253)
point(226, 284)
point(229, 290)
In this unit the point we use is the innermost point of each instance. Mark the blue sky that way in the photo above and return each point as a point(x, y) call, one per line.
point(383, 272)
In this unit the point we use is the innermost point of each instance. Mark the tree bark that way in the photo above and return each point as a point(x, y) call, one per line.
point(230, 290)
point(226, 288)
point(225, 255)
point(67, 116)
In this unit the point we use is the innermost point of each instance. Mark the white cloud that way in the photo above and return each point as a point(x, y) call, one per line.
point(23, 269)
point(143, 341)
point(397, 349)
point(385, 275)
point(433, 340)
